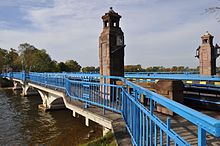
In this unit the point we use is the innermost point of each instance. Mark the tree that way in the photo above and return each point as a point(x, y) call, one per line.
point(89, 69)
point(40, 62)
point(3, 54)
point(62, 67)
point(214, 10)
point(73, 66)
point(12, 60)
point(35, 60)
point(133, 68)
point(26, 53)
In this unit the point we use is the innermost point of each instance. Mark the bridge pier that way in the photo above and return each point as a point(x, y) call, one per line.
point(74, 114)
point(50, 101)
point(27, 90)
point(17, 85)
point(105, 131)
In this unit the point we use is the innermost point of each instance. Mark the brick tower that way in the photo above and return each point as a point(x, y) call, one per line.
point(207, 54)
point(111, 46)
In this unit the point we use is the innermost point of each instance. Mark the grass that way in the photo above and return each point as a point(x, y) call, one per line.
point(107, 140)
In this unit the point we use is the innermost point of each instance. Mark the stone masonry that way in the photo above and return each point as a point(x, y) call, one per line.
point(207, 54)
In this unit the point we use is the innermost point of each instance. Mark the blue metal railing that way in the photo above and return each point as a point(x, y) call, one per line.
point(193, 77)
point(122, 96)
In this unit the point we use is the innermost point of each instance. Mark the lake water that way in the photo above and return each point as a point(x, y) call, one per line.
point(22, 123)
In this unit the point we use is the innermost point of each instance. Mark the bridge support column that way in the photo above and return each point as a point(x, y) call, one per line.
point(87, 121)
point(74, 114)
point(50, 101)
point(27, 90)
point(17, 85)
point(105, 131)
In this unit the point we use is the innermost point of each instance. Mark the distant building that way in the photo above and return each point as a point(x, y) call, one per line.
point(207, 54)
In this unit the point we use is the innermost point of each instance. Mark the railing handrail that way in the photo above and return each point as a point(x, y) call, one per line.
point(193, 77)
point(190, 114)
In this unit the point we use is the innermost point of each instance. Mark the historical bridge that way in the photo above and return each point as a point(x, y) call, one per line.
point(127, 103)
point(117, 106)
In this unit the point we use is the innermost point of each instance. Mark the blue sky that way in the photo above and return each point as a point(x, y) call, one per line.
point(157, 32)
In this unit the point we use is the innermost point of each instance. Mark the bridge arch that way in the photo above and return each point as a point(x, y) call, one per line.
point(51, 101)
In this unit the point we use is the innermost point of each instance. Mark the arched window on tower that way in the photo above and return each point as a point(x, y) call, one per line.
point(106, 24)
point(205, 41)
point(218, 51)
point(197, 52)
point(114, 24)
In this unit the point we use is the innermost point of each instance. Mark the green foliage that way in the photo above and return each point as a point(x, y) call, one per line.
point(35, 60)
point(31, 59)
point(133, 68)
point(138, 68)
point(62, 67)
point(107, 140)
point(72, 66)
point(2, 58)
point(12, 60)
point(90, 69)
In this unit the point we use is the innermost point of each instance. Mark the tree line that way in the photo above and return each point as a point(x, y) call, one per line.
point(138, 68)
point(31, 59)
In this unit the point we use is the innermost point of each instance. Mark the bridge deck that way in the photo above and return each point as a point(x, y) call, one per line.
point(189, 131)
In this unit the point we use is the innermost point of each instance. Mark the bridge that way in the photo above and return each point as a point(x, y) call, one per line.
point(118, 101)
point(118, 108)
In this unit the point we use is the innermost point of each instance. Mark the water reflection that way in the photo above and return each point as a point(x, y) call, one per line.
point(21, 123)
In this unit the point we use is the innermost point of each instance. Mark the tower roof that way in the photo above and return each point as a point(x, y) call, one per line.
point(111, 15)
point(207, 34)
point(111, 10)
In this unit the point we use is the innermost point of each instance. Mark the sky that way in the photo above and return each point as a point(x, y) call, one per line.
point(157, 32)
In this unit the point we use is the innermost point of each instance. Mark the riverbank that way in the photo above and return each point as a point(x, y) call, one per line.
point(107, 140)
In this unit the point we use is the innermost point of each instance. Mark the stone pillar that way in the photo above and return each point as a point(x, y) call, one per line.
point(111, 46)
point(111, 50)
point(172, 89)
point(207, 54)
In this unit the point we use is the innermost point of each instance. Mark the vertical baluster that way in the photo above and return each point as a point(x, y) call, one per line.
point(92, 92)
point(117, 101)
point(161, 137)
point(104, 98)
point(143, 129)
point(112, 96)
point(151, 112)
point(147, 133)
point(134, 120)
point(130, 115)
point(138, 124)
point(201, 137)
point(97, 94)
point(168, 128)
point(155, 134)
point(141, 125)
